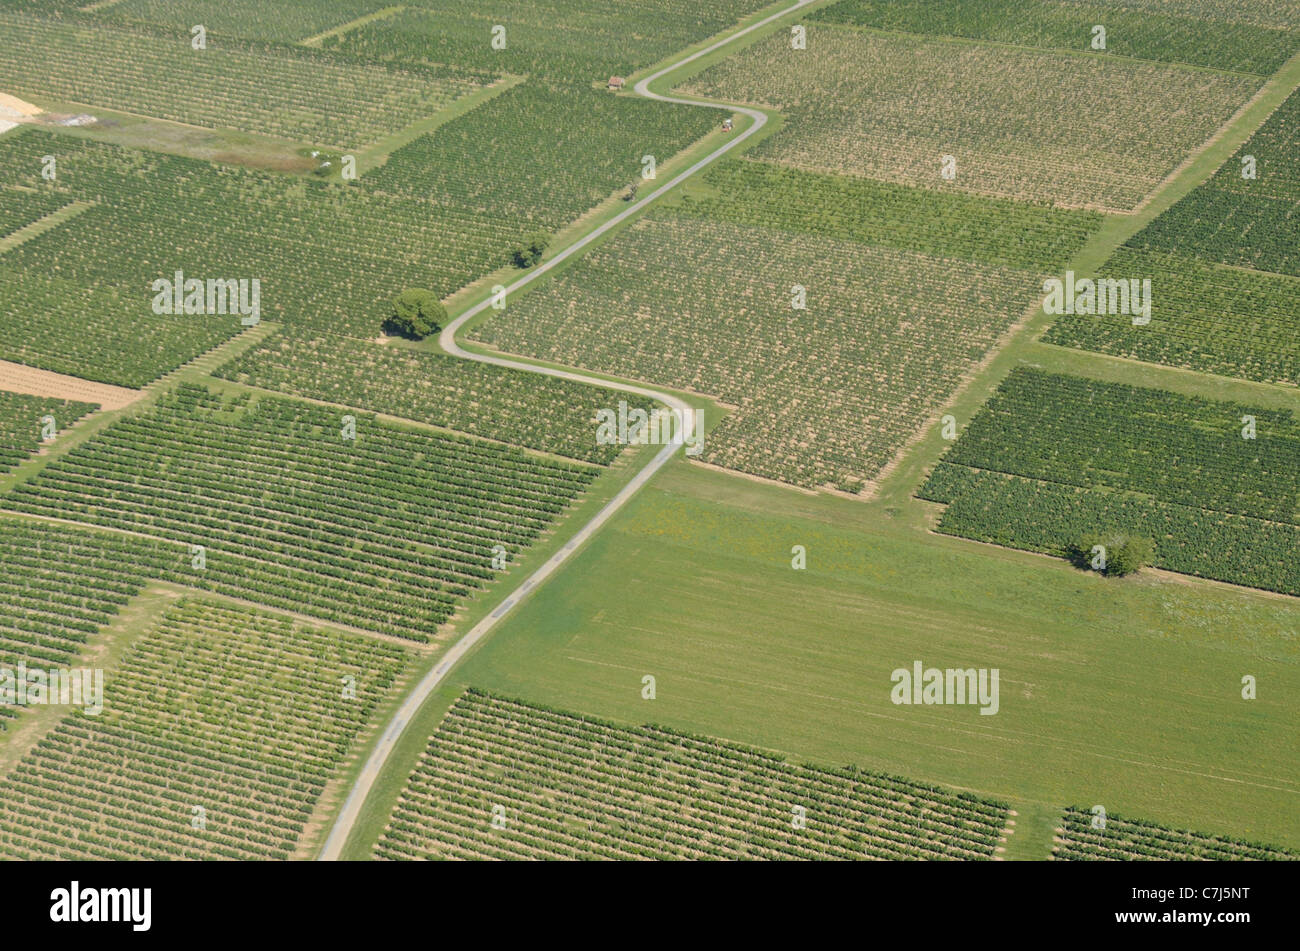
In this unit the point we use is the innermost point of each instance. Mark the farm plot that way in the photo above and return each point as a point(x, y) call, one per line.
point(390, 531)
point(540, 153)
point(22, 418)
point(283, 21)
point(21, 207)
point(525, 409)
point(1128, 840)
point(323, 254)
point(826, 394)
point(577, 40)
point(61, 585)
point(285, 92)
point(1173, 33)
point(1241, 221)
point(219, 731)
point(1025, 124)
point(951, 225)
point(1053, 458)
point(1204, 316)
point(508, 780)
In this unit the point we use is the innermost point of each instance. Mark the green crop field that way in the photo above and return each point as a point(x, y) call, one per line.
point(867, 104)
point(566, 786)
point(1123, 694)
point(1051, 458)
point(314, 316)
point(1190, 32)
point(524, 409)
point(1126, 839)
point(216, 738)
point(279, 91)
point(390, 530)
point(577, 40)
point(22, 419)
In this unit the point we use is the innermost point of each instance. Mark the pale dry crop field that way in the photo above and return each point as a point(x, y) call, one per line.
point(891, 107)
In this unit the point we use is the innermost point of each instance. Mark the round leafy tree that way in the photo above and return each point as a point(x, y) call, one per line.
point(531, 248)
point(416, 313)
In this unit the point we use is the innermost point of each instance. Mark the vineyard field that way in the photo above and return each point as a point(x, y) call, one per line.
point(219, 731)
point(21, 419)
point(1204, 316)
point(1173, 33)
point(541, 153)
point(950, 225)
point(19, 208)
point(391, 531)
point(61, 585)
point(323, 253)
point(564, 786)
point(1240, 221)
point(867, 104)
point(285, 92)
point(283, 21)
point(825, 395)
point(1133, 839)
point(580, 41)
point(1051, 458)
point(525, 409)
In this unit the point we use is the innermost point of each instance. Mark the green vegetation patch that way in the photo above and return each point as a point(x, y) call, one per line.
point(1053, 457)
point(504, 779)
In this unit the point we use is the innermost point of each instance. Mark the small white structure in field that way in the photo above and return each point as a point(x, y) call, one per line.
point(726, 125)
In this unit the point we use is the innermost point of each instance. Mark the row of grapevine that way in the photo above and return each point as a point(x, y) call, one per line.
point(576, 40)
point(1052, 458)
point(219, 730)
point(1211, 36)
point(524, 409)
point(505, 779)
point(391, 530)
point(287, 92)
point(23, 419)
point(890, 107)
point(825, 394)
point(985, 230)
point(1126, 840)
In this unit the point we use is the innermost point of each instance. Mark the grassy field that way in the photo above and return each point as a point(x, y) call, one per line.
point(1125, 694)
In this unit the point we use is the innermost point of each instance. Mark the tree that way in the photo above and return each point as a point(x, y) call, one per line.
point(1123, 554)
point(531, 248)
point(416, 313)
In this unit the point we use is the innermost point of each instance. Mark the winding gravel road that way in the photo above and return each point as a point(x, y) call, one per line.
point(347, 816)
